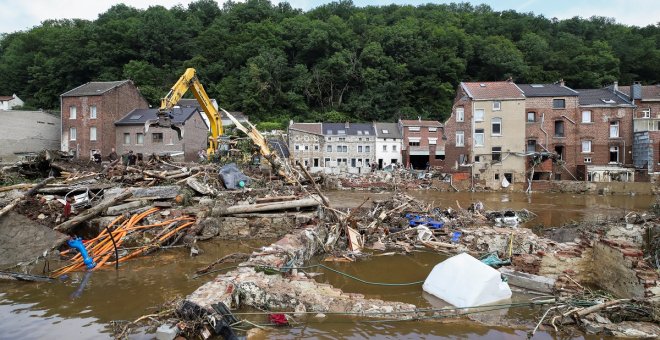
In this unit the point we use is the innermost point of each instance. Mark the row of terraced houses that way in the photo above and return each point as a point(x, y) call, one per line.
point(505, 132)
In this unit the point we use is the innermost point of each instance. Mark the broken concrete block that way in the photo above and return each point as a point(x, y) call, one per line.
point(122, 208)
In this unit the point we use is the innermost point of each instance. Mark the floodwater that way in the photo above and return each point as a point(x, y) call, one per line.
point(73, 311)
point(552, 209)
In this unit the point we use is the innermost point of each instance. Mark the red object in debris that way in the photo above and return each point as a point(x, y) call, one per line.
point(67, 209)
point(278, 319)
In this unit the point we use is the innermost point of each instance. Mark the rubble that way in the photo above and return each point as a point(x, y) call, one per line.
point(127, 211)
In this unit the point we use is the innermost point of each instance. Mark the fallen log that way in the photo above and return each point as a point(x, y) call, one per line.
point(312, 201)
point(16, 186)
point(67, 226)
point(275, 199)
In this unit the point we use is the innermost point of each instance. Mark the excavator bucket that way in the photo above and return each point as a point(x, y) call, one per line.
point(164, 120)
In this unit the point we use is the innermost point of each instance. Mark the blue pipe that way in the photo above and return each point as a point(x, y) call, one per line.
point(77, 244)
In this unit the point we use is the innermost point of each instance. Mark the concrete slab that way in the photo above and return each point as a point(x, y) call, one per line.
point(24, 240)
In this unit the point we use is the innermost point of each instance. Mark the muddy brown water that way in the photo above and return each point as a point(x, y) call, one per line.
point(53, 310)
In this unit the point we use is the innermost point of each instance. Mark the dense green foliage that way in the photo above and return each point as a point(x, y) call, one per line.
point(336, 62)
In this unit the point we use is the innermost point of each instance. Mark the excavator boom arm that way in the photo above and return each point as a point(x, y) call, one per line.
point(189, 80)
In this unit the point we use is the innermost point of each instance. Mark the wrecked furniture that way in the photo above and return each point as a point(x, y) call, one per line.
point(465, 281)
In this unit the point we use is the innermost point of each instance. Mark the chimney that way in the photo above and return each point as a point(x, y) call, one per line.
point(290, 122)
point(616, 86)
point(346, 125)
point(636, 90)
point(419, 118)
point(561, 82)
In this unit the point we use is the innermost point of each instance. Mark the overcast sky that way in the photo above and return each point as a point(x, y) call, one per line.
point(18, 15)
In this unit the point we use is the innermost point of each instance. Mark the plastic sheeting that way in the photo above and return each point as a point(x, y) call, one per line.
point(465, 281)
point(232, 177)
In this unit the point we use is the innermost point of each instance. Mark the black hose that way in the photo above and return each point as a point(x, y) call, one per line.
point(112, 238)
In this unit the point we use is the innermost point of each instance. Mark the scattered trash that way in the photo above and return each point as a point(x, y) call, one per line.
point(232, 177)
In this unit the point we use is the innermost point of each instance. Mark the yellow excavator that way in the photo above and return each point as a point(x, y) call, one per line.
point(189, 80)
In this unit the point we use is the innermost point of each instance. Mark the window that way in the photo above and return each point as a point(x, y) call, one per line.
point(433, 141)
point(559, 149)
point(367, 148)
point(359, 148)
point(586, 146)
point(559, 103)
point(342, 139)
point(496, 153)
point(496, 124)
point(341, 132)
point(531, 145)
point(479, 137)
point(477, 159)
point(462, 159)
point(92, 112)
point(587, 159)
point(460, 114)
point(157, 137)
point(326, 162)
point(72, 133)
point(328, 148)
point(413, 143)
point(139, 138)
point(460, 138)
point(316, 147)
point(393, 147)
point(646, 113)
point(433, 129)
point(296, 147)
point(497, 105)
point(614, 154)
point(306, 147)
point(479, 115)
point(384, 147)
point(92, 133)
point(414, 128)
point(359, 132)
point(614, 129)
point(385, 131)
point(586, 117)
point(531, 116)
point(72, 112)
point(127, 138)
point(559, 128)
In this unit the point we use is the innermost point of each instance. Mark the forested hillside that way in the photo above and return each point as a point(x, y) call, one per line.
point(336, 62)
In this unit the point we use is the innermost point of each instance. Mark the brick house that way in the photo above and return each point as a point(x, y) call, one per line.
point(422, 143)
point(388, 144)
point(130, 134)
point(604, 135)
point(646, 125)
point(89, 112)
point(551, 127)
point(486, 132)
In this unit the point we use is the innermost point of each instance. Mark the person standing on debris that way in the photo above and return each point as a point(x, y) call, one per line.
point(113, 155)
point(131, 158)
point(428, 166)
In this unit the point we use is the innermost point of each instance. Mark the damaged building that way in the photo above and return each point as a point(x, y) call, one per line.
point(89, 112)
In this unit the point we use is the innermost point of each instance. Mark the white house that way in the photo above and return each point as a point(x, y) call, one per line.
point(10, 102)
point(388, 144)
